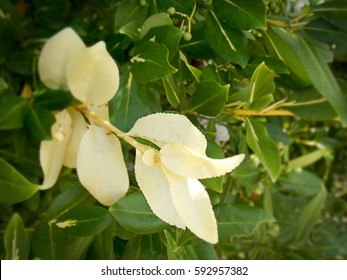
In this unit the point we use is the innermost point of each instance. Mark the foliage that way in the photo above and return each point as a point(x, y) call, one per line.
point(262, 78)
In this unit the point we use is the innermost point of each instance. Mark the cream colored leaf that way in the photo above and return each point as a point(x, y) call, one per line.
point(52, 153)
point(92, 75)
point(156, 190)
point(55, 55)
point(188, 163)
point(100, 166)
point(79, 127)
point(194, 206)
point(164, 128)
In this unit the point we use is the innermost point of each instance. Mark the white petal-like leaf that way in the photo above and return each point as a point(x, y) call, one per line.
point(52, 153)
point(188, 163)
point(92, 75)
point(100, 166)
point(164, 128)
point(55, 55)
point(155, 187)
point(79, 127)
point(194, 206)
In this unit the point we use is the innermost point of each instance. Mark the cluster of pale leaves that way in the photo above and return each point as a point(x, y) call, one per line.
point(168, 176)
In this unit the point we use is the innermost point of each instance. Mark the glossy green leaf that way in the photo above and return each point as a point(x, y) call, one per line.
point(264, 147)
point(132, 101)
point(323, 31)
point(209, 98)
point(310, 214)
point(239, 220)
point(168, 35)
point(160, 19)
point(14, 187)
point(303, 183)
point(246, 174)
point(12, 111)
point(228, 43)
point(174, 92)
point(67, 200)
point(173, 251)
point(181, 6)
point(49, 242)
point(54, 99)
point(17, 241)
point(151, 62)
point(131, 29)
point(84, 220)
point(39, 123)
point(241, 14)
point(262, 87)
point(133, 213)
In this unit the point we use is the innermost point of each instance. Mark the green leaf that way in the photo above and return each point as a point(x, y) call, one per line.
point(128, 12)
point(241, 14)
point(310, 214)
point(132, 101)
point(54, 99)
point(174, 92)
point(262, 87)
point(133, 213)
point(151, 62)
point(246, 174)
point(239, 220)
point(13, 110)
point(14, 187)
point(168, 35)
point(316, 67)
point(17, 241)
point(155, 20)
point(173, 251)
point(303, 183)
point(209, 98)
point(131, 29)
point(39, 123)
point(49, 242)
point(145, 247)
point(102, 246)
point(321, 30)
point(67, 200)
point(21, 62)
point(84, 220)
point(264, 147)
point(307, 159)
point(277, 41)
point(228, 43)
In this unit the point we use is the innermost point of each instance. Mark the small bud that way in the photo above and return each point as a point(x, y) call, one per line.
point(171, 10)
point(187, 36)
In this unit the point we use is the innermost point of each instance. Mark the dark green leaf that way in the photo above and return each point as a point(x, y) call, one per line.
point(160, 19)
point(67, 200)
point(239, 220)
point(84, 220)
point(228, 43)
point(39, 123)
point(181, 6)
point(321, 30)
point(247, 174)
point(133, 213)
point(310, 214)
point(102, 246)
point(22, 62)
point(151, 62)
point(173, 251)
point(12, 111)
point(14, 187)
point(264, 147)
point(132, 101)
point(241, 14)
point(49, 242)
point(128, 12)
point(209, 98)
point(54, 99)
point(17, 242)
